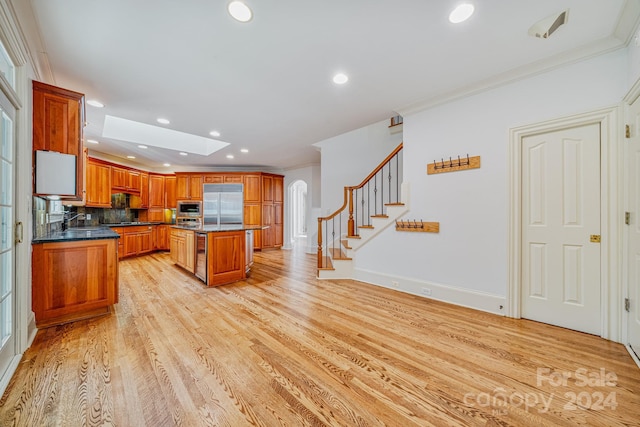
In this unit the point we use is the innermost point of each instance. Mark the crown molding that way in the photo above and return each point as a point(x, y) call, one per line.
point(628, 22)
point(603, 46)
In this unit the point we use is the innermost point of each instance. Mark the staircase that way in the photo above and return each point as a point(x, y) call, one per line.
point(368, 208)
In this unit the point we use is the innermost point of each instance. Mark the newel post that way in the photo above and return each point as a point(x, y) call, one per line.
point(350, 224)
point(319, 242)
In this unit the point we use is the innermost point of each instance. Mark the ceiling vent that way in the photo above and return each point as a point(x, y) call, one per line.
point(543, 29)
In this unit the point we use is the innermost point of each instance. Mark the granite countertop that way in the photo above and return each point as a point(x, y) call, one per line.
point(79, 233)
point(130, 224)
point(223, 227)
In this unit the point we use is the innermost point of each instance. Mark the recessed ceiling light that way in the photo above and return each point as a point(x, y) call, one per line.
point(214, 133)
point(144, 147)
point(163, 121)
point(95, 103)
point(461, 13)
point(182, 153)
point(93, 141)
point(240, 11)
point(131, 157)
point(340, 79)
point(244, 150)
point(229, 156)
point(167, 164)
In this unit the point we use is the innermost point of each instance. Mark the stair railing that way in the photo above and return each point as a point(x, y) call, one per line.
point(380, 188)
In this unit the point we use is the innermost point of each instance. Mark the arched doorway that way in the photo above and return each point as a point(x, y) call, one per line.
point(298, 210)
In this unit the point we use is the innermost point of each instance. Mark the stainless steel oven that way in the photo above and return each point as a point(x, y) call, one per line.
point(189, 209)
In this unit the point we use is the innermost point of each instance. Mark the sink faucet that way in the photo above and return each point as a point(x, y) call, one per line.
point(67, 223)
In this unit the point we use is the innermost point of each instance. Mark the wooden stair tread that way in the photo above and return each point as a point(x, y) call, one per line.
point(326, 264)
point(394, 204)
point(353, 237)
point(380, 216)
point(338, 254)
point(366, 226)
point(345, 243)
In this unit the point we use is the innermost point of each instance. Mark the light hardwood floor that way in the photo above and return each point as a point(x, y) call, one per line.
point(284, 349)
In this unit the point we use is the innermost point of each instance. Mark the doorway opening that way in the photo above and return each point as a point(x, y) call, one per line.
point(609, 224)
point(298, 209)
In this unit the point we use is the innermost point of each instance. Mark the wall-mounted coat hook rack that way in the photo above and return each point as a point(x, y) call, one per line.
point(419, 226)
point(453, 165)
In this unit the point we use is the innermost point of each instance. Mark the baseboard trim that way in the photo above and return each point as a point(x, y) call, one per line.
point(632, 354)
point(8, 374)
point(464, 297)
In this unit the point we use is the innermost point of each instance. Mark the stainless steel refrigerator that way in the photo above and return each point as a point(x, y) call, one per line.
point(222, 204)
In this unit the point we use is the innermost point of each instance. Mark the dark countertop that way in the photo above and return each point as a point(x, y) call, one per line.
point(132, 224)
point(223, 227)
point(79, 233)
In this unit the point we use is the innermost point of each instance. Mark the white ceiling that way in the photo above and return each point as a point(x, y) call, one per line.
point(266, 85)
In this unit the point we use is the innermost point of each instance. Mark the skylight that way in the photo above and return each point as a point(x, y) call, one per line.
point(155, 136)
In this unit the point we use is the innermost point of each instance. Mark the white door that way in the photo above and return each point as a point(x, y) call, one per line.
point(633, 230)
point(560, 211)
point(7, 252)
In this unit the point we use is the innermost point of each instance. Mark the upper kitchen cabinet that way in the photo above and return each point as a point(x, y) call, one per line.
point(144, 189)
point(156, 191)
point(125, 180)
point(58, 120)
point(98, 184)
point(170, 192)
point(252, 188)
point(189, 186)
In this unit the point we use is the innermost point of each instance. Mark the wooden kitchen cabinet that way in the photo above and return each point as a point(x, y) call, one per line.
point(98, 185)
point(138, 240)
point(252, 188)
point(272, 211)
point(144, 190)
point(156, 191)
point(182, 247)
point(189, 187)
point(162, 237)
point(119, 179)
point(226, 252)
point(253, 217)
point(232, 179)
point(120, 231)
point(58, 121)
point(267, 189)
point(212, 178)
point(278, 189)
point(73, 280)
point(170, 192)
point(125, 180)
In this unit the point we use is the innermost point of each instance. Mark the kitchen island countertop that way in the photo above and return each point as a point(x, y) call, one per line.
point(75, 234)
point(223, 227)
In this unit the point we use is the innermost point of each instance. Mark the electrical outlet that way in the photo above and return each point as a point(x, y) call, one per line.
point(426, 291)
point(394, 284)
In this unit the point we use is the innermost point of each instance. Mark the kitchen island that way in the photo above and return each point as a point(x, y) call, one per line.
point(75, 275)
point(216, 254)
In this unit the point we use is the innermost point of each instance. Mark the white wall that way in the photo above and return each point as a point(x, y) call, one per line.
point(633, 61)
point(348, 158)
point(470, 252)
point(312, 176)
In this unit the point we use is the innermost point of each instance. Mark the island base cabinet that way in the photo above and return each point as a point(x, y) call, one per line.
point(73, 280)
point(226, 257)
point(182, 247)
